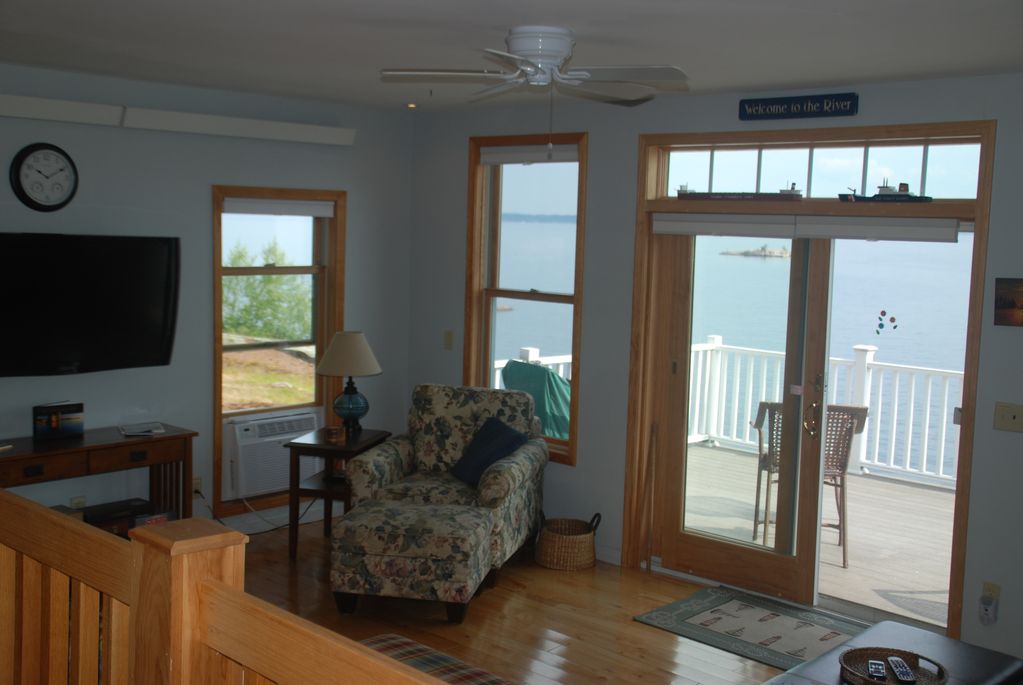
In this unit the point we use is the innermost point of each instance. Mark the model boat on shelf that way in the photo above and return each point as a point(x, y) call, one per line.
point(885, 193)
point(781, 195)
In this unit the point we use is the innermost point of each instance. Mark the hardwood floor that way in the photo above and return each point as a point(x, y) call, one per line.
point(536, 626)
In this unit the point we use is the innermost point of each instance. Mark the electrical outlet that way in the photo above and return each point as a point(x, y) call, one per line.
point(196, 485)
point(77, 502)
point(449, 340)
point(1008, 417)
point(989, 602)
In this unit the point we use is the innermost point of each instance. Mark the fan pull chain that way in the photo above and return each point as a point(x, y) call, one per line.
point(550, 124)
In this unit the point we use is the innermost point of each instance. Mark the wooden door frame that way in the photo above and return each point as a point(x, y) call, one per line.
point(789, 574)
point(640, 540)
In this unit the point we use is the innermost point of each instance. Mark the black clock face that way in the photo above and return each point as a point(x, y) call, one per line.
point(43, 177)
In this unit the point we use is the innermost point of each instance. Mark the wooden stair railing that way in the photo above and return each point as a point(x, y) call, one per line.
point(79, 605)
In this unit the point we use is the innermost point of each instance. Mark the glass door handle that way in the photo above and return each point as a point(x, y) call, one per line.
point(811, 419)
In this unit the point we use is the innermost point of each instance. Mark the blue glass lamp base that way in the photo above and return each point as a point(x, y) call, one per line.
point(351, 405)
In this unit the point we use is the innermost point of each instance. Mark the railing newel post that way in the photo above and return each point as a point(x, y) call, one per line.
point(529, 354)
point(167, 625)
point(863, 356)
point(714, 384)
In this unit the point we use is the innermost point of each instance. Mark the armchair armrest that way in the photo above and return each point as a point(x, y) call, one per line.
point(513, 473)
point(379, 466)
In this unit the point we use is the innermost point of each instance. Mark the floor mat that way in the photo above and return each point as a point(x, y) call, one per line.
point(770, 632)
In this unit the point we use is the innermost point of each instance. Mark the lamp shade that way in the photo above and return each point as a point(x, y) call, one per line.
point(348, 354)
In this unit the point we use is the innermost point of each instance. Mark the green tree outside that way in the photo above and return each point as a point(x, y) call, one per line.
point(276, 307)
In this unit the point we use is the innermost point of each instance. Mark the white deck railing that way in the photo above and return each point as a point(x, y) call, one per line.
point(910, 433)
point(560, 364)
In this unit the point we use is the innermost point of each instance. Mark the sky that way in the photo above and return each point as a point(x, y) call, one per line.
point(547, 188)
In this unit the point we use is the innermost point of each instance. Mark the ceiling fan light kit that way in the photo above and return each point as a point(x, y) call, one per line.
point(537, 57)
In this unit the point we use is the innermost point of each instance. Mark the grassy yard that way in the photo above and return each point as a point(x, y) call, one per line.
point(266, 378)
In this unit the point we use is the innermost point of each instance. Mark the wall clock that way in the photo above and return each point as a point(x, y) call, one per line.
point(43, 177)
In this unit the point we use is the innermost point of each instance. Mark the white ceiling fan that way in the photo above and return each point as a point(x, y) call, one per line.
point(537, 57)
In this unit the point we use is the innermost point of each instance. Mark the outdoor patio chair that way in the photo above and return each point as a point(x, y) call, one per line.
point(768, 426)
point(841, 424)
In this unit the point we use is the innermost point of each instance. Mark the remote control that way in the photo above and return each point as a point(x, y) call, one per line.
point(877, 670)
point(903, 672)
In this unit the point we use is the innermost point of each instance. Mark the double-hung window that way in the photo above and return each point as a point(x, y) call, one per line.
point(524, 275)
point(278, 298)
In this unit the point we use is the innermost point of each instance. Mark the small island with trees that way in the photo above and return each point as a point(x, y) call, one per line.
point(762, 251)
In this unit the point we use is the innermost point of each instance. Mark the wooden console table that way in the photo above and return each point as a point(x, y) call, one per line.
point(104, 450)
point(336, 451)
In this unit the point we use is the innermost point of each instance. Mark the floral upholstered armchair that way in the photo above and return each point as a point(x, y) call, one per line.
point(415, 467)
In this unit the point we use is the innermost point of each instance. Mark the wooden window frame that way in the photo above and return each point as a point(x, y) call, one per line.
point(480, 258)
point(328, 267)
point(639, 538)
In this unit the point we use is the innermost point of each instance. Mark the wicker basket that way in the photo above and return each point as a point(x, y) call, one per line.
point(854, 666)
point(567, 544)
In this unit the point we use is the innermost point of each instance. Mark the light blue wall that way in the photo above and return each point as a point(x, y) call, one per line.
point(406, 178)
point(152, 183)
point(595, 484)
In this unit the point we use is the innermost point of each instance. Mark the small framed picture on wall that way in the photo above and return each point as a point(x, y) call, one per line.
point(1009, 301)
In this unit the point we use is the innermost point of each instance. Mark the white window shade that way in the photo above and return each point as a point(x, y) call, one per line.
point(823, 227)
point(246, 205)
point(871, 228)
point(757, 225)
point(528, 154)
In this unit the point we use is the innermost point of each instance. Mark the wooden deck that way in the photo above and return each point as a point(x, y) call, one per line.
point(900, 534)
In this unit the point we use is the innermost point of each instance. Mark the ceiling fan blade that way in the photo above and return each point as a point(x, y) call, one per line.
point(445, 75)
point(628, 94)
point(497, 89)
point(508, 58)
point(660, 77)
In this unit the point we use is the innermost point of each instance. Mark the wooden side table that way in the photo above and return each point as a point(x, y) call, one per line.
point(336, 451)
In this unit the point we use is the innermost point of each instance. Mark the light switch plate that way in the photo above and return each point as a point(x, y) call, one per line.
point(1008, 417)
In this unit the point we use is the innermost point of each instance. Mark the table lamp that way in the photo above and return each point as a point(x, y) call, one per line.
point(349, 354)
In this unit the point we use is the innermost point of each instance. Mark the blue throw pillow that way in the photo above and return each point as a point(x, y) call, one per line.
point(494, 440)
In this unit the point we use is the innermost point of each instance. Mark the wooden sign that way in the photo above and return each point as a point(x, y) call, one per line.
point(800, 107)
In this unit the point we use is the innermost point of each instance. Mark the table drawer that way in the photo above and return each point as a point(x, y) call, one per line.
point(43, 468)
point(132, 456)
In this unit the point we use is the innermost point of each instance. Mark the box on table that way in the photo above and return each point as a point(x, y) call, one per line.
point(58, 420)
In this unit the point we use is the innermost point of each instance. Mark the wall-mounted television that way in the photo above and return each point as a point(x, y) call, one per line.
point(81, 303)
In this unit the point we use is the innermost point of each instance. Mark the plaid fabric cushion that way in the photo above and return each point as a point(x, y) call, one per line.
point(428, 660)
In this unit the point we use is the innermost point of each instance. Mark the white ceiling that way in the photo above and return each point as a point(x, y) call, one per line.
point(334, 49)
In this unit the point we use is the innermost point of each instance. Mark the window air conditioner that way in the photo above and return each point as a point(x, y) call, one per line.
point(261, 461)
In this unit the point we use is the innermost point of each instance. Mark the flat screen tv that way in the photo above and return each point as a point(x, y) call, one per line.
point(81, 303)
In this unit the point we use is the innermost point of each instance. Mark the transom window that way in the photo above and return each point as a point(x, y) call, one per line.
point(946, 169)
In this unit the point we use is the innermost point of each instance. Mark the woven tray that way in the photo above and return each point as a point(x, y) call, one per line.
point(854, 666)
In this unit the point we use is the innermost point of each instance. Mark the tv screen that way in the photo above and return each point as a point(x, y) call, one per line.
point(80, 303)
